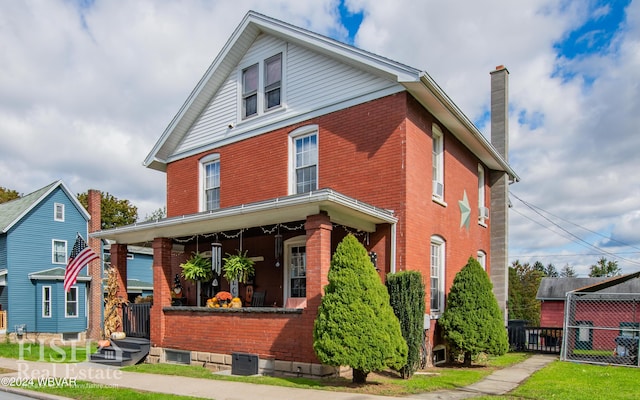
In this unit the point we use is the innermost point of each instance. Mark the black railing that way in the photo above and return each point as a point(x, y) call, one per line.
point(136, 321)
point(535, 339)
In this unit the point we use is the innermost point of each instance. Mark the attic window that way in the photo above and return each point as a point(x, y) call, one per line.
point(250, 91)
point(262, 84)
point(273, 78)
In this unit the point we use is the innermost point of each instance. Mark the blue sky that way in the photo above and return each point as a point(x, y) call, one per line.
point(88, 86)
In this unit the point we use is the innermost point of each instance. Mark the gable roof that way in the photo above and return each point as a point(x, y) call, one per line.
point(557, 288)
point(418, 83)
point(13, 211)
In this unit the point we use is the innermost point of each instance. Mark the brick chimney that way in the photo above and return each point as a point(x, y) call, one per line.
point(499, 181)
point(94, 331)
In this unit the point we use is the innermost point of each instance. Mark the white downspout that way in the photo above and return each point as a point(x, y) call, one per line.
point(393, 247)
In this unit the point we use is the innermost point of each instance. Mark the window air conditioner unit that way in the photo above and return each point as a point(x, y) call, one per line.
point(483, 213)
point(438, 189)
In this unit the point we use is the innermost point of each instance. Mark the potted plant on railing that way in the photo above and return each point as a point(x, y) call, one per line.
point(238, 267)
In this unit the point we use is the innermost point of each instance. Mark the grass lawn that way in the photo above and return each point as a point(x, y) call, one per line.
point(573, 381)
point(35, 352)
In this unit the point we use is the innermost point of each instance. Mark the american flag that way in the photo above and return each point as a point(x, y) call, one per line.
point(81, 255)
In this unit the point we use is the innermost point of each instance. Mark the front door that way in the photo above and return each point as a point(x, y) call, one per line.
point(296, 268)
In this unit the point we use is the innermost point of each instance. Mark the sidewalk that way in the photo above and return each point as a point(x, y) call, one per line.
point(498, 383)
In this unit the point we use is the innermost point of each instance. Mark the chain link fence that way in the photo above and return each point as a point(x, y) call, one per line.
point(602, 328)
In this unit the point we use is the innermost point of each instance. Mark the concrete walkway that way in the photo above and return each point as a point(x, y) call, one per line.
point(498, 383)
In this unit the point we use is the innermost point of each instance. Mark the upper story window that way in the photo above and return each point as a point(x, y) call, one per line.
point(438, 162)
point(59, 251)
point(262, 86)
point(250, 91)
point(437, 269)
point(58, 212)
point(210, 182)
point(304, 160)
point(483, 211)
point(273, 81)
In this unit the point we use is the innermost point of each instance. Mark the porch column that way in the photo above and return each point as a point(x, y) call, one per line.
point(318, 248)
point(161, 287)
point(119, 262)
point(95, 304)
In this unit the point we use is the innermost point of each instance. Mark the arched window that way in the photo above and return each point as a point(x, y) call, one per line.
point(437, 269)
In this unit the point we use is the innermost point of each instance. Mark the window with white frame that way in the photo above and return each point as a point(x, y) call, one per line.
point(304, 160)
point(46, 302)
point(58, 212)
point(71, 302)
point(296, 267)
point(483, 211)
point(437, 274)
point(262, 86)
point(482, 259)
point(210, 182)
point(438, 162)
point(272, 82)
point(59, 251)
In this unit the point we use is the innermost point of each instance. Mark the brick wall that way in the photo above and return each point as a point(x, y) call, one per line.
point(379, 152)
point(287, 337)
point(94, 331)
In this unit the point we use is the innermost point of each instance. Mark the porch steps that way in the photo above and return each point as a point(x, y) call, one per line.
point(122, 352)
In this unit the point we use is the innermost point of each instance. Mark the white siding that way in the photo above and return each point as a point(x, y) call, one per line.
point(311, 82)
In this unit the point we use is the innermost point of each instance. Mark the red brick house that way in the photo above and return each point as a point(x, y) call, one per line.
point(600, 310)
point(290, 141)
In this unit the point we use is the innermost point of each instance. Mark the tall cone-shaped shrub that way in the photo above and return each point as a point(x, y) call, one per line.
point(472, 322)
point(356, 325)
point(406, 292)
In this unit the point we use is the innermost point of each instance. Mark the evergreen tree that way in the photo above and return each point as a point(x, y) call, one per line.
point(605, 268)
point(406, 292)
point(472, 322)
point(524, 281)
point(567, 272)
point(356, 325)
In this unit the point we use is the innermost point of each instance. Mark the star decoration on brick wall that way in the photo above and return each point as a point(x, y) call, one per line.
point(465, 211)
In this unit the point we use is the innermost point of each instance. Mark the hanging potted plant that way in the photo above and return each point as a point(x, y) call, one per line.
point(197, 269)
point(238, 267)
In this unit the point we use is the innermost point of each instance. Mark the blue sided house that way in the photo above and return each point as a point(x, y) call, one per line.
point(139, 271)
point(37, 233)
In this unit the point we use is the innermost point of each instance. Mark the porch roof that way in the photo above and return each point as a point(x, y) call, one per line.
point(341, 209)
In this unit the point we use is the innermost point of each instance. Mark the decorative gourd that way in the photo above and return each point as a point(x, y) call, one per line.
point(236, 303)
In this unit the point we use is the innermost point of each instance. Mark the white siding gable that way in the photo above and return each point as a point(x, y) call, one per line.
point(313, 84)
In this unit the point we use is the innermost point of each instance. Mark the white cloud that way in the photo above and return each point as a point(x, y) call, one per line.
point(86, 92)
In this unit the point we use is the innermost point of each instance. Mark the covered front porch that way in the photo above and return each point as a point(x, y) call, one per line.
point(291, 241)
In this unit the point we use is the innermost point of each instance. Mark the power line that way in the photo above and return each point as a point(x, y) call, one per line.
point(579, 240)
point(574, 224)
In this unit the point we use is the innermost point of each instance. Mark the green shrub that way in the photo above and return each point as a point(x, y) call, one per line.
point(355, 325)
point(472, 321)
point(406, 292)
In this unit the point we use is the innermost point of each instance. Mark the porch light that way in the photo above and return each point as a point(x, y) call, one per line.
point(278, 247)
point(374, 259)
